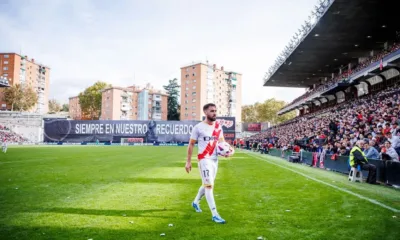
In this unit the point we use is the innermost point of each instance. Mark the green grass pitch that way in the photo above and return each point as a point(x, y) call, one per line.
point(112, 192)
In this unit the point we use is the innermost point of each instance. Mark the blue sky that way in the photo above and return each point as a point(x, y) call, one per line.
point(135, 42)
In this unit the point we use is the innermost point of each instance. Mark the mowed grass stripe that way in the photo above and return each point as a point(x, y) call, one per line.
point(85, 192)
point(373, 201)
point(386, 195)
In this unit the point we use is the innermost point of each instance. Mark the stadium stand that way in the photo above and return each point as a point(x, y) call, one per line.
point(370, 118)
point(348, 57)
point(344, 76)
point(21, 127)
point(10, 137)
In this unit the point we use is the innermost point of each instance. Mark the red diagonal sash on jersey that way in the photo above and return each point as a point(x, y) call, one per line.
point(212, 144)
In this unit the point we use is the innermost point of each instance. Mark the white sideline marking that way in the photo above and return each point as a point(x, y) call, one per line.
point(333, 186)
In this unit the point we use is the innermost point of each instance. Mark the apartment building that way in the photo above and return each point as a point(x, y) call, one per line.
point(26, 71)
point(130, 103)
point(75, 111)
point(203, 83)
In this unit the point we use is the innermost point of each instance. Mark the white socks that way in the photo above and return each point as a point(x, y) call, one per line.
point(200, 194)
point(209, 192)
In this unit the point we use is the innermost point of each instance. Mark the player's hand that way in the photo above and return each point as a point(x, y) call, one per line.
point(188, 166)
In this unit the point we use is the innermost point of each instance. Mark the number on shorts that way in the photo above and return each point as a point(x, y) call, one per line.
point(206, 173)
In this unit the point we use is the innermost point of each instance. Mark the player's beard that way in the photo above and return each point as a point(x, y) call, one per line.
point(211, 119)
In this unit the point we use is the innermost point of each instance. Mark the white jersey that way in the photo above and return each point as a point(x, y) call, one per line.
point(207, 137)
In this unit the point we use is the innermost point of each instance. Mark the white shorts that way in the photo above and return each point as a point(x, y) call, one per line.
point(208, 171)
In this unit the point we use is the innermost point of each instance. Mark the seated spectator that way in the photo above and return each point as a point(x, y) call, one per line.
point(395, 142)
point(357, 157)
point(370, 151)
point(344, 151)
point(388, 152)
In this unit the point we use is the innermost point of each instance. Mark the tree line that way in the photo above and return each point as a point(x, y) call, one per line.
point(266, 111)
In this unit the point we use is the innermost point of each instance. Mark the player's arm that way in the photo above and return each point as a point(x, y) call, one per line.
point(221, 137)
point(192, 142)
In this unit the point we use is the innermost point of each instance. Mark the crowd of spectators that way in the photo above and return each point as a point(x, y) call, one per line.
point(9, 136)
point(343, 77)
point(374, 119)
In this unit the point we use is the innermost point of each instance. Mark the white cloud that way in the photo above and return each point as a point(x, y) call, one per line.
point(134, 42)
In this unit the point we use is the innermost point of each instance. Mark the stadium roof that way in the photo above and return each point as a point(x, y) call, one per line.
point(346, 31)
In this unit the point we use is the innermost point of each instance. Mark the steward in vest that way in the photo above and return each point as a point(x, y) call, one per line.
point(357, 157)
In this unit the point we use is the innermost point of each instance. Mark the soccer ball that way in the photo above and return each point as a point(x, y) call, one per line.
point(224, 149)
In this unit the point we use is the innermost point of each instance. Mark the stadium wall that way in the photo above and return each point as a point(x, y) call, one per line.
point(75, 131)
point(386, 171)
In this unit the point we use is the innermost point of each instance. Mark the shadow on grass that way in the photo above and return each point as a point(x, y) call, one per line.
point(21, 233)
point(96, 233)
point(104, 212)
point(163, 180)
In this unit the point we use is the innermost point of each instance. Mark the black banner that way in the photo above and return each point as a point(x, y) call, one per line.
point(251, 127)
point(56, 130)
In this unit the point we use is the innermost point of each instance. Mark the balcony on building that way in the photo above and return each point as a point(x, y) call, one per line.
point(156, 109)
point(156, 97)
point(156, 116)
point(125, 107)
point(156, 104)
point(125, 99)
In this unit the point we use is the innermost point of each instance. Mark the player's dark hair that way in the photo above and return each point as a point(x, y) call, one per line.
point(208, 105)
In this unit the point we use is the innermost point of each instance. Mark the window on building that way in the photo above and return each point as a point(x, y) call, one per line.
point(193, 114)
point(187, 81)
point(6, 56)
point(194, 100)
point(5, 74)
point(194, 87)
point(194, 93)
point(187, 88)
point(194, 80)
point(194, 74)
point(5, 62)
point(193, 107)
point(5, 68)
point(186, 101)
point(187, 69)
point(186, 114)
point(194, 67)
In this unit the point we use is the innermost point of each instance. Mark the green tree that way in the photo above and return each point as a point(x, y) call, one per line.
point(30, 98)
point(90, 100)
point(249, 113)
point(266, 112)
point(54, 106)
point(20, 98)
point(173, 106)
point(65, 107)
